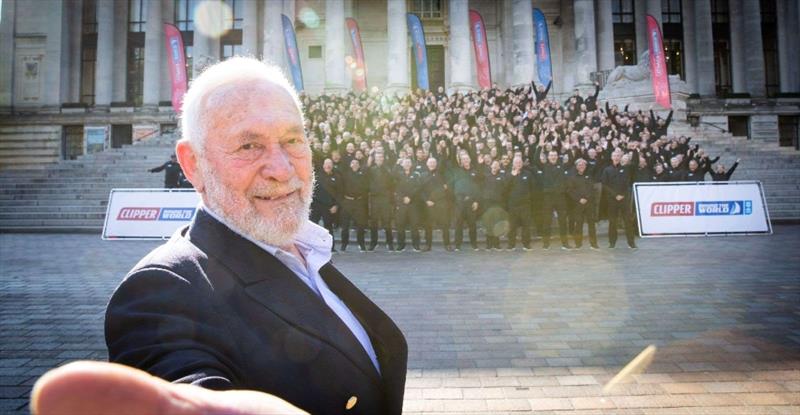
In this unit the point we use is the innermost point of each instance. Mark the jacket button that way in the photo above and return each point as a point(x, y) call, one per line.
point(351, 403)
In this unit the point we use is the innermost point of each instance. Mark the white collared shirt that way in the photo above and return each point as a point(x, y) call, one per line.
point(314, 243)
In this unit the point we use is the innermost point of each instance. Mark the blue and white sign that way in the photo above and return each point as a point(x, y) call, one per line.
point(701, 208)
point(148, 213)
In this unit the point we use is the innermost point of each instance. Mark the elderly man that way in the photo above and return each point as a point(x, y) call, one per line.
point(245, 297)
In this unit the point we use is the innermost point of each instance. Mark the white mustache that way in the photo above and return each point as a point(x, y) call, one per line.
point(273, 189)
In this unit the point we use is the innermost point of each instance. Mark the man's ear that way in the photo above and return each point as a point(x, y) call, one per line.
point(188, 159)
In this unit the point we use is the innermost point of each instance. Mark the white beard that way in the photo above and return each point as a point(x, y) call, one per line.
point(278, 230)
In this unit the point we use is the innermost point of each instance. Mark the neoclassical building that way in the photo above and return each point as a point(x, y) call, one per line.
point(77, 76)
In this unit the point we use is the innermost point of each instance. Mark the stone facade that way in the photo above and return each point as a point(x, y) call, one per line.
point(41, 75)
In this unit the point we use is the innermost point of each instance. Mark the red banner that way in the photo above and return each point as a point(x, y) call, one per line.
point(177, 64)
point(658, 63)
point(478, 31)
point(360, 69)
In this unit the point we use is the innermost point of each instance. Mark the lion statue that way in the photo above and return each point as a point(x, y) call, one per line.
point(631, 73)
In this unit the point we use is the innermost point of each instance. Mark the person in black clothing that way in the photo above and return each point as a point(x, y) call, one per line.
point(172, 172)
point(541, 92)
point(617, 179)
point(720, 175)
point(695, 172)
point(677, 171)
point(494, 217)
point(354, 204)
point(381, 195)
point(434, 191)
point(552, 176)
point(519, 189)
point(580, 189)
point(407, 189)
point(467, 191)
point(325, 204)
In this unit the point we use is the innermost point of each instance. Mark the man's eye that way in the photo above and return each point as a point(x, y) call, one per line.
point(249, 147)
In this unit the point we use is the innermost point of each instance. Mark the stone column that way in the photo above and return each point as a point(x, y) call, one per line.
point(250, 28)
point(289, 9)
point(736, 23)
point(460, 48)
point(167, 16)
point(272, 46)
point(605, 35)
point(7, 51)
point(74, 26)
point(653, 7)
point(334, 46)
point(704, 46)
point(205, 52)
point(522, 45)
point(689, 40)
point(640, 23)
point(51, 71)
point(397, 42)
point(120, 65)
point(585, 41)
point(104, 66)
point(788, 44)
point(153, 43)
point(755, 78)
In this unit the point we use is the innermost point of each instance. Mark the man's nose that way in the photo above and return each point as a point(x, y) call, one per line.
point(276, 164)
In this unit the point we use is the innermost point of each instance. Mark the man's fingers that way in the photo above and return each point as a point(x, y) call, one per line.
point(95, 388)
point(102, 388)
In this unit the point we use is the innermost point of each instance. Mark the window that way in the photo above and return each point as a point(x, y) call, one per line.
point(769, 36)
point(622, 12)
point(722, 46)
point(184, 21)
point(88, 51)
point(236, 15)
point(135, 79)
point(719, 11)
point(315, 52)
point(624, 52)
point(671, 11)
point(184, 14)
point(231, 42)
point(137, 16)
point(426, 9)
point(672, 29)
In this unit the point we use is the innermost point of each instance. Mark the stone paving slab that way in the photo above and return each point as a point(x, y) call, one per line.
point(492, 332)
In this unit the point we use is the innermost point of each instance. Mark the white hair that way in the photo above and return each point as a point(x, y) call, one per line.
point(236, 69)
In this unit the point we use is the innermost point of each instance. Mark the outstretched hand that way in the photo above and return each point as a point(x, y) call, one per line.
point(107, 388)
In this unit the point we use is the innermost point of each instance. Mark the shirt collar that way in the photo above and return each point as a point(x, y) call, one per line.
point(310, 239)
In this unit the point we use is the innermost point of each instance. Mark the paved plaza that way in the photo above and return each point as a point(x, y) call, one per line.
point(492, 332)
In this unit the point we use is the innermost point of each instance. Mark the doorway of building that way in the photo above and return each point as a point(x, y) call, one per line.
point(435, 67)
point(739, 125)
point(72, 142)
point(121, 134)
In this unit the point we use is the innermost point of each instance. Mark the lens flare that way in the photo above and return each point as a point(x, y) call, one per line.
point(308, 17)
point(213, 18)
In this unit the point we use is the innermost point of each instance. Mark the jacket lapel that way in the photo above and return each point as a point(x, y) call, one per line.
point(386, 337)
point(270, 283)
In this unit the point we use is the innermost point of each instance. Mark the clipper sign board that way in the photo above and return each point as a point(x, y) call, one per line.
point(148, 213)
point(701, 208)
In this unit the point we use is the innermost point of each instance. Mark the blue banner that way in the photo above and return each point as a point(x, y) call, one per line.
point(543, 63)
point(420, 51)
point(291, 53)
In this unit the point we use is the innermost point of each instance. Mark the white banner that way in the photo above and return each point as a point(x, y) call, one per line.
point(148, 213)
point(701, 208)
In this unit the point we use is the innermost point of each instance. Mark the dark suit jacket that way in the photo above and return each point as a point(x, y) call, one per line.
point(213, 309)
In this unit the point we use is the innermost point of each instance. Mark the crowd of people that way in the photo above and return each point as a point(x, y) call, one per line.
point(503, 159)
